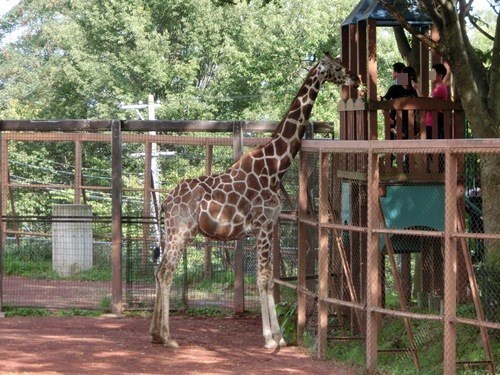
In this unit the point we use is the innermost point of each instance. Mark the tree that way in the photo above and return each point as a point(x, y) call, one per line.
point(206, 59)
point(478, 83)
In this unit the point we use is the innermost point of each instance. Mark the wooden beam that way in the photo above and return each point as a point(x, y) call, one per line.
point(56, 125)
point(116, 214)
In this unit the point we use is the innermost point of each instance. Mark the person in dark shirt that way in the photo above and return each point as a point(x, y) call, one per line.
point(400, 90)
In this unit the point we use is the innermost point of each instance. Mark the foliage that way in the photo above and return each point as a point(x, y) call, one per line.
point(205, 60)
point(287, 318)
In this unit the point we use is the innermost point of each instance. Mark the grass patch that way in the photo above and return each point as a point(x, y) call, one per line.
point(37, 312)
point(25, 311)
point(208, 312)
point(40, 269)
point(429, 341)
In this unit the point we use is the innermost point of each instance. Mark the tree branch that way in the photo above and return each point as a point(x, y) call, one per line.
point(402, 41)
point(436, 46)
point(473, 20)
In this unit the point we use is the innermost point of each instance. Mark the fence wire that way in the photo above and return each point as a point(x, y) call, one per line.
point(423, 222)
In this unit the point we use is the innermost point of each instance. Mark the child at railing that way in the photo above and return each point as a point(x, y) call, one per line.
point(440, 91)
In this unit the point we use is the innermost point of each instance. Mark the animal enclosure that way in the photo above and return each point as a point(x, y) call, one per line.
point(49, 164)
point(361, 247)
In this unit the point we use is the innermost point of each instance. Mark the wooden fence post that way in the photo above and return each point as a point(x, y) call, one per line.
point(1, 222)
point(373, 285)
point(302, 249)
point(78, 172)
point(239, 250)
point(207, 257)
point(323, 255)
point(450, 264)
point(116, 217)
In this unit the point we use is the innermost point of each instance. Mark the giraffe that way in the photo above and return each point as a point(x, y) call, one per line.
point(243, 201)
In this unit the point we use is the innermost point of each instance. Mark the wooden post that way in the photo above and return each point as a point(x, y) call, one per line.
point(239, 251)
point(207, 261)
point(78, 172)
point(373, 284)
point(116, 217)
point(323, 256)
point(4, 165)
point(450, 265)
point(1, 220)
point(371, 79)
point(424, 75)
point(353, 55)
point(302, 249)
point(146, 213)
point(345, 57)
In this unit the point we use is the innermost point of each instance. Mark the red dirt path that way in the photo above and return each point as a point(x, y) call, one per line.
point(81, 345)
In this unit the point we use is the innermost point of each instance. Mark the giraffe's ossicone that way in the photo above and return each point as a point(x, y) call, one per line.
point(243, 201)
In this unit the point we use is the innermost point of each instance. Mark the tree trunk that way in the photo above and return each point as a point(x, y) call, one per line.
point(490, 189)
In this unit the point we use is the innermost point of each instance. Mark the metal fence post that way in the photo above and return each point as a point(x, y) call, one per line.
point(239, 250)
point(116, 217)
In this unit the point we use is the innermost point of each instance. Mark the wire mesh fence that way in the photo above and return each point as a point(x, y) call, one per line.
point(63, 268)
point(380, 249)
point(45, 169)
point(400, 266)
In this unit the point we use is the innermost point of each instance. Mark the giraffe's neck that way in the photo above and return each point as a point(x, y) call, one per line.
point(275, 157)
point(287, 137)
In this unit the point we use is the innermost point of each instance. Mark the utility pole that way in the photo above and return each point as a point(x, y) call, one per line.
point(151, 155)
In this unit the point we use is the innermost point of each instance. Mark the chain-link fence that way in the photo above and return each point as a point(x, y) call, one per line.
point(396, 268)
point(57, 256)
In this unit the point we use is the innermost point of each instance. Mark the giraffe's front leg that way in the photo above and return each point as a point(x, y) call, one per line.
point(166, 283)
point(270, 326)
point(154, 330)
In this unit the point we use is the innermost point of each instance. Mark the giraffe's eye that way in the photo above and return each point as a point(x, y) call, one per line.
point(338, 68)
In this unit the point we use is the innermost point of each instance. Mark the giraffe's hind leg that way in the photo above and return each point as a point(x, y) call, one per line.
point(160, 329)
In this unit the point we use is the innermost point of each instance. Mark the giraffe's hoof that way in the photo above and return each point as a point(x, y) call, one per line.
point(272, 344)
point(170, 344)
point(156, 339)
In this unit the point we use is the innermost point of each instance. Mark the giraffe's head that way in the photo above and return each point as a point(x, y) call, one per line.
point(335, 71)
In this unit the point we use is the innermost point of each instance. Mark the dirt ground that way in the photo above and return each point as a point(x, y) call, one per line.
point(109, 345)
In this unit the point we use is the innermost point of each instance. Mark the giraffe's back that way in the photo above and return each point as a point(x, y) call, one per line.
point(225, 206)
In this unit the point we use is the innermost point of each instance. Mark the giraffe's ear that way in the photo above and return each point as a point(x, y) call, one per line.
point(327, 54)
